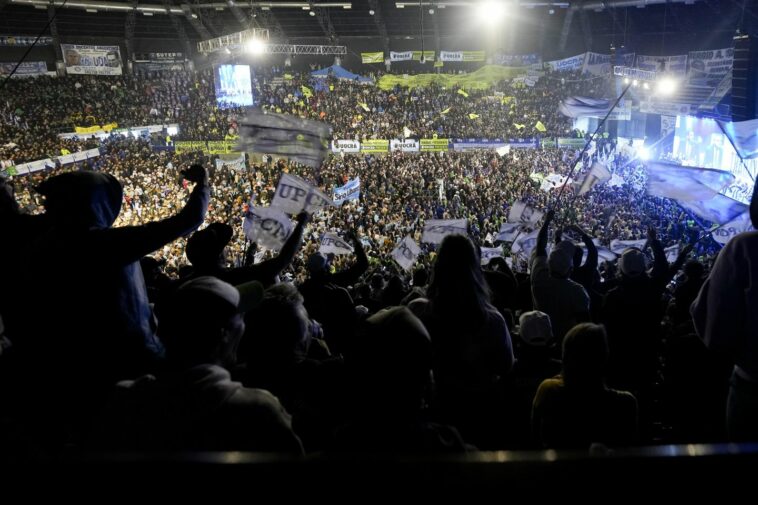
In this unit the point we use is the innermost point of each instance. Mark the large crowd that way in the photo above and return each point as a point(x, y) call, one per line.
point(493, 335)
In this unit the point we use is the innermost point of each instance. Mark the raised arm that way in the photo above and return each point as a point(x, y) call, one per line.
point(591, 247)
point(271, 268)
point(352, 274)
point(130, 243)
point(541, 248)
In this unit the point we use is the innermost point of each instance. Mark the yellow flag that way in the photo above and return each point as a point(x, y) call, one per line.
point(519, 126)
point(331, 87)
point(473, 116)
point(287, 77)
point(307, 92)
point(540, 127)
point(65, 151)
point(461, 92)
point(445, 111)
point(364, 107)
point(506, 100)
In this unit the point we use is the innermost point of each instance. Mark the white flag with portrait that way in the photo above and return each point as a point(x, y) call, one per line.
point(437, 229)
point(406, 253)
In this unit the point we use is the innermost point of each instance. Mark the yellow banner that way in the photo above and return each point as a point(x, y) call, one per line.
point(220, 146)
point(209, 147)
point(428, 55)
point(183, 146)
point(110, 126)
point(484, 78)
point(473, 55)
point(377, 57)
point(375, 146)
point(434, 145)
point(87, 129)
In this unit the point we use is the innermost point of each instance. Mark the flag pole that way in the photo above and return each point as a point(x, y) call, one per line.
point(587, 144)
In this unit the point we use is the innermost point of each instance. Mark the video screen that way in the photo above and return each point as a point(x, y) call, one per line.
point(700, 142)
point(234, 87)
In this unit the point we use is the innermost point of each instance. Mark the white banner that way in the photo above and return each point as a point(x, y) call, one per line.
point(32, 166)
point(572, 63)
point(267, 227)
point(331, 243)
point(706, 68)
point(294, 195)
point(672, 64)
point(451, 56)
point(406, 253)
point(597, 64)
point(619, 246)
point(552, 181)
point(26, 69)
point(92, 60)
point(525, 244)
point(401, 56)
point(350, 191)
point(665, 108)
point(522, 213)
point(237, 164)
point(78, 156)
point(406, 146)
point(437, 229)
point(491, 252)
point(346, 146)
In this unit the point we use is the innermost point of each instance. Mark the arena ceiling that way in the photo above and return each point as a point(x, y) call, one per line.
point(664, 25)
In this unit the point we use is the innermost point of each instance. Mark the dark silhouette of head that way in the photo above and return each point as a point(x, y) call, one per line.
point(585, 356)
point(205, 248)
point(458, 289)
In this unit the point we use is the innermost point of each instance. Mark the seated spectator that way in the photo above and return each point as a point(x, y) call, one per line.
point(576, 408)
point(195, 405)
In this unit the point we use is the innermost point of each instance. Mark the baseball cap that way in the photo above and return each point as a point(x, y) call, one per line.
point(535, 328)
point(208, 243)
point(632, 262)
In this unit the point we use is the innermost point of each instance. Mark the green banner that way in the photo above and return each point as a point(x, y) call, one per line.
point(375, 146)
point(428, 55)
point(220, 146)
point(182, 146)
point(576, 143)
point(377, 57)
point(484, 78)
point(473, 55)
point(548, 143)
point(430, 145)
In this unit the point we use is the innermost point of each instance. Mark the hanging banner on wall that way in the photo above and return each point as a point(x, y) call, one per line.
point(377, 57)
point(346, 146)
point(406, 146)
point(13, 40)
point(516, 60)
point(92, 60)
point(665, 108)
point(461, 55)
point(707, 68)
point(597, 64)
point(401, 56)
point(375, 146)
point(434, 145)
point(26, 69)
point(572, 63)
point(676, 64)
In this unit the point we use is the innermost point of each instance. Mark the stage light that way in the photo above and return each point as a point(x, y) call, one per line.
point(643, 153)
point(371, 12)
point(431, 11)
point(646, 85)
point(626, 80)
point(490, 11)
point(255, 46)
point(311, 13)
point(666, 86)
point(635, 83)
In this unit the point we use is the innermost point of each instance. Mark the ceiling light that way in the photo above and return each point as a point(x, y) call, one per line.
point(311, 13)
point(371, 12)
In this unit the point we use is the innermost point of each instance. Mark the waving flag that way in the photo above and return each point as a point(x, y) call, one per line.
point(540, 127)
point(744, 136)
point(301, 140)
point(522, 213)
point(619, 246)
point(294, 195)
point(719, 209)
point(490, 252)
point(598, 174)
point(406, 253)
point(685, 183)
point(508, 232)
point(332, 243)
point(350, 191)
point(307, 92)
point(738, 225)
point(437, 229)
point(267, 227)
point(580, 106)
point(463, 93)
point(473, 116)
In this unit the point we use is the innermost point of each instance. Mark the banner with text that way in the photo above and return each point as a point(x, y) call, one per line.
point(707, 68)
point(405, 253)
point(350, 191)
point(461, 55)
point(375, 146)
point(92, 60)
point(331, 243)
point(676, 64)
point(516, 60)
point(26, 69)
point(294, 195)
point(434, 145)
point(267, 227)
point(346, 146)
point(377, 57)
point(406, 146)
point(571, 63)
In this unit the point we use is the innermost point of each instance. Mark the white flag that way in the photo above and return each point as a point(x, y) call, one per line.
point(523, 213)
point(267, 227)
point(332, 243)
point(619, 246)
point(598, 174)
point(525, 244)
point(436, 229)
point(508, 232)
point(406, 253)
point(744, 136)
point(350, 191)
point(672, 252)
point(736, 226)
point(294, 195)
point(491, 252)
point(685, 183)
point(720, 209)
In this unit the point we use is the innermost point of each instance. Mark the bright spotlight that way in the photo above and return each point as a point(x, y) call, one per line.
point(255, 46)
point(371, 12)
point(643, 153)
point(311, 13)
point(635, 82)
point(666, 86)
point(626, 80)
point(490, 11)
point(645, 85)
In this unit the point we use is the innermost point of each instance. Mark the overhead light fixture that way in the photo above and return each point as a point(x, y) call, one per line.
point(490, 11)
point(551, 11)
point(147, 13)
point(93, 11)
point(255, 46)
point(311, 13)
point(194, 16)
point(431, 11)
point(371, 12)
point(306, 8)
point(347, 6)
point(666, 86)
point(221, 8)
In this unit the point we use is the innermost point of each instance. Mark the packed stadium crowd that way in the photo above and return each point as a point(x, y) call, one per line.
point(345, 373)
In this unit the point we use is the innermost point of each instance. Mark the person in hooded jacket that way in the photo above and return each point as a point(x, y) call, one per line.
point(75, 305)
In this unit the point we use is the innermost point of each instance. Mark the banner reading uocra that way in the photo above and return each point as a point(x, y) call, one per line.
point(92, 60)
